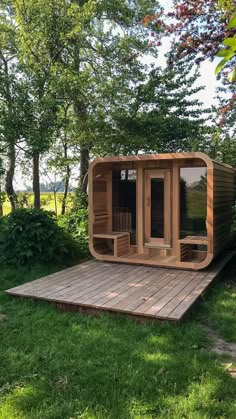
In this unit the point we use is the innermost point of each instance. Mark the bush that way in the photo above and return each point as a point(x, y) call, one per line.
point(30, 236)
point(22, 200)
point(76, 224)
point(3, 222)
point(80, 200)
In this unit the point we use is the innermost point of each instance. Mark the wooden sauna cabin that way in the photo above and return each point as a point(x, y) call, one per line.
point(173, 210)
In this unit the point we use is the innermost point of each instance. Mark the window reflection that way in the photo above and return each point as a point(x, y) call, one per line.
point(193, 201)
point(157, 207)
point(124, 202)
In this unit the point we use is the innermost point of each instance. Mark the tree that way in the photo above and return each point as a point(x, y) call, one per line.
point(86, 46)
point(164, 116)
point(198, 27)
point(229, 53)
point(41, 124)
point(13, 97)
point(2, 194)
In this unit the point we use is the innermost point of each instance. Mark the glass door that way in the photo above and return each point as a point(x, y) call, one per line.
point(157, 224)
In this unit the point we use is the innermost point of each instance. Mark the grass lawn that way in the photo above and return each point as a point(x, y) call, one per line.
point(67, 366)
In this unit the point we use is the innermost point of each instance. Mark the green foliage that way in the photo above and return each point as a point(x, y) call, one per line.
point(22, 199)
point(46, 199)
point(164, 116)
point(30, 236)
point(3, 224)
point(2, 197)
point(228, 53)
point(83, 54)
point(76, 224)
point(80, 200)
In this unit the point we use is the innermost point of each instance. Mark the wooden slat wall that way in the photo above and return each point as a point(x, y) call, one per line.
point(223, 206)
point(100, 207)
point(123, 245)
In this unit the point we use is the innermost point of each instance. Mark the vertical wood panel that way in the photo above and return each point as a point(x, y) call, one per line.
point(139, 210)
point(147, 207)
point(90, 206)
point(223, 184)
point(176, 208)
point(209, 219)
point(109, 199)
point(167, 209)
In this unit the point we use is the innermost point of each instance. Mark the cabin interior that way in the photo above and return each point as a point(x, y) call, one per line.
point(149, 211)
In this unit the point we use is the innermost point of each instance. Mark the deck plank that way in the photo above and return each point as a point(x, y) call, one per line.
point(167, 297)
point(112, 280)
point(137, 282)
point(90, 281)
point(129, 302)
point(157, 294)
point(109, 293)
point(178, 298)
point(146, 291)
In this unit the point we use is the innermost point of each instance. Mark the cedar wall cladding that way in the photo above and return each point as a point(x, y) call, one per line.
point(223, 205)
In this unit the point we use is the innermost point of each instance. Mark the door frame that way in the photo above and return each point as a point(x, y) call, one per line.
point(166, 175)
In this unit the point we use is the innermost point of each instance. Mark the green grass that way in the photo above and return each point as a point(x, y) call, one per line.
point(47, 201)
point(220, 309)
point(64, 365)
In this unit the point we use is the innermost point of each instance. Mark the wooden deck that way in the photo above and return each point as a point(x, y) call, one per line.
point(144, 291)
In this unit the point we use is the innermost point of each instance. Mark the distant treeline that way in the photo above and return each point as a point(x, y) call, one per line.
point(50, 187)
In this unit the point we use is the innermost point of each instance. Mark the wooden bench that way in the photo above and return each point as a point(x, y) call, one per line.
point(121, 241)
point(185, 246)
point(194, 240)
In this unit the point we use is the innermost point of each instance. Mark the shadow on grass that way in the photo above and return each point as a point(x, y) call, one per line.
point(55, 365)
point(64, 366)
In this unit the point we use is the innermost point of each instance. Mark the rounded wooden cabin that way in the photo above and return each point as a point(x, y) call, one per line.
point(173, 210)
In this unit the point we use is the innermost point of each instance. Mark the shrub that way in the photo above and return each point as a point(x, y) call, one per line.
point(3, 222)
point(30, 236)
point(22, 199)
point(80, 200)
point(76, 224)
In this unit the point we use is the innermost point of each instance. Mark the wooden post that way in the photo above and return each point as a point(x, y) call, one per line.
point(109, 200)
point(210, 215)
point(176, 209)
point(139, 210)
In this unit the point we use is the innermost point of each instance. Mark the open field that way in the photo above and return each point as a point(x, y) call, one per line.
point(64, 365)
point(47, 199)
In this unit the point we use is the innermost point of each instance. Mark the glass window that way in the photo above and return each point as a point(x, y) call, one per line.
point(193, 201)
point(157, 207)
point(124, 202)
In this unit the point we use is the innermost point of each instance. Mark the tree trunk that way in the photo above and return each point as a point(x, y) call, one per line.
point(66, 190)
point(36, 185)
point(1, 205)
point(10, 175)
point(66, 180)
point(80, 107)
point(55, 201)
point(84, 165)
point(81, 112)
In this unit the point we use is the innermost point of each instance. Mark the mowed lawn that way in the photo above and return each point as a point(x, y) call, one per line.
point(64, 365)
point(47, 202)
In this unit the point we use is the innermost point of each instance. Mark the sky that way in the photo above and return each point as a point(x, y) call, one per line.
point(207, 75)
point(207, 69)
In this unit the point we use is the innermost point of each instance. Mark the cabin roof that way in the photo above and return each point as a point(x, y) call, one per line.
point(162, 156)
